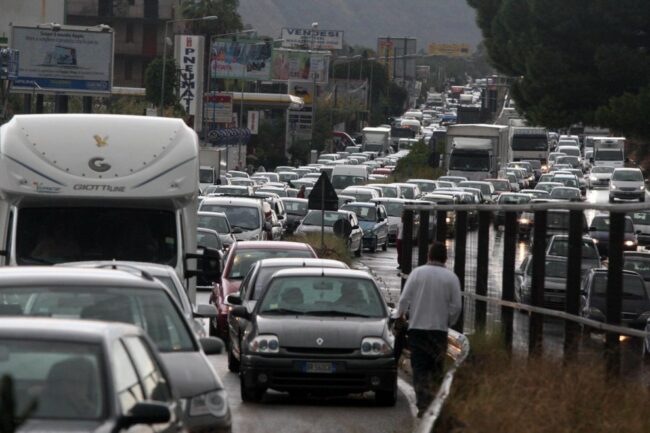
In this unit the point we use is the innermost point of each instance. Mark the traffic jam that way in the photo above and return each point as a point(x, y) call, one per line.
point(131, 266)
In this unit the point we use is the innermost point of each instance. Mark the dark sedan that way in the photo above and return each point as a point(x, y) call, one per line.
point(599, 231)
point(554, 281)
point(319, 331)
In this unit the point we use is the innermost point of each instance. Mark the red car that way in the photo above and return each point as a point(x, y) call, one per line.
point(384, 171)
point(240, 259)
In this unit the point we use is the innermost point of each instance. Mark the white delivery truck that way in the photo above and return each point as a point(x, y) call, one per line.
point(477, 151)
point(376, 140)
point(529, 143)
point(609, 152)
point(344, 176)
point(78, 187)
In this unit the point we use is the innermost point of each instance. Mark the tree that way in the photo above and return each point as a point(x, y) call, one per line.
point(574, 61)
point(153, 81)
point(228, 20)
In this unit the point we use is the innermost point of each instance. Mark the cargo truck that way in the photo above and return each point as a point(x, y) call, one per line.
point(529, 143)
point(609, 152)
point(376, 140)
point(477, 151)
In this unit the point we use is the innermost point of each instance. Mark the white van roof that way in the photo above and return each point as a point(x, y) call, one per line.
point(98, 156)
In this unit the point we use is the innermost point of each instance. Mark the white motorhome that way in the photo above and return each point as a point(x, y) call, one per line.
point(376, 140)
point(609, 151)
point(77, 187)
point(477, 151)
point(529, 143)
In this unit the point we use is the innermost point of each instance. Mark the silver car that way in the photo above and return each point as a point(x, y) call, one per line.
point(312, 224)
point(627, 183)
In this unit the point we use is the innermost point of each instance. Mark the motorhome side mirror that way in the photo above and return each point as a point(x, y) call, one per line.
point(638, 232)
point(241, 312)
point(233, 299)
point(211, 263)
point(145, 412)
point(267, 226)
point(211, 345)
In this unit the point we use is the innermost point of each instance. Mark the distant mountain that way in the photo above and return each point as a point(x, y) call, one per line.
point(363, 21)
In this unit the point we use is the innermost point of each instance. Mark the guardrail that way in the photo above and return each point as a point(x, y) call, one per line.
point(457, 349)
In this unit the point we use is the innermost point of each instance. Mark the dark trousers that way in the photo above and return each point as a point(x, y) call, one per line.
point(428, 351)
point(398, 245)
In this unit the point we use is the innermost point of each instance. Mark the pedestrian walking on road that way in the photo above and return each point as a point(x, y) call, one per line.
point(301, 193)
point(432, 299)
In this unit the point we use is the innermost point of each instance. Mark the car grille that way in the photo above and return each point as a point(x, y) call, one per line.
point(319, 351)
point(309, 380)
point(629, 316)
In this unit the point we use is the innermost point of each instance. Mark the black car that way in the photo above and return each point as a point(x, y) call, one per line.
point(318, 331)
point(599, 231)
point(636, 304)
point(639, 262)
point(251, 289)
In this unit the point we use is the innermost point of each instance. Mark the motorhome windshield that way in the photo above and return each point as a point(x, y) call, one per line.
point(525, 142)
point(50, 235)
point(469, 161)
point(608, 155)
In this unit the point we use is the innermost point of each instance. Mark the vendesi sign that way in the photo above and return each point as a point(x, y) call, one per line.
point(293, 37)
point(189, 56)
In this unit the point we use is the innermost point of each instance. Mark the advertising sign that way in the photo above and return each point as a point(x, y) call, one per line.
point(298, 65)
point(189, 56)
point(253, 122)
point(248, 59)
point(449, 50)
point(312, 39)
point(394, 53)
point(70, 60)
point(218, 107)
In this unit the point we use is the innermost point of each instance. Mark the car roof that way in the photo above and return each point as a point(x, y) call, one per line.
point(271, 245)
point(64, 274)
point(155, 269)
point(361, 204)
point(210, 213)
point(301, 263)
point(243, 201)
point(82, 331)
point(627, 169)
point(325, 272)
point(421, 180)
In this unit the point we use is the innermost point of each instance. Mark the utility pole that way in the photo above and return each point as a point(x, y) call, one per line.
point(314, 97)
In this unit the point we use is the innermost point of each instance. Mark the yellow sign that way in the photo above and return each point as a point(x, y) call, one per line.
point(449, 50)
point(100, 141)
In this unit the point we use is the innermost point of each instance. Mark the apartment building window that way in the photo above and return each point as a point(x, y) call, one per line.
point(129, 32)
point(151, 8)
point(131, 2)
point(105, 8)
point(128, 69)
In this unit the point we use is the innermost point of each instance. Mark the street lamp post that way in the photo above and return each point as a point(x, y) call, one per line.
point(164, 68)
point(314, 28)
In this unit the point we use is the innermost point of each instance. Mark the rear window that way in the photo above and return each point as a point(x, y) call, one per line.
point(633, 287)
point(245, 258)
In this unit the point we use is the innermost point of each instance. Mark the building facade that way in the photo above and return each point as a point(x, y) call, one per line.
point(139, 27)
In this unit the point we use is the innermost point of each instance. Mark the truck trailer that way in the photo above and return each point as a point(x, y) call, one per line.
point(477, 151)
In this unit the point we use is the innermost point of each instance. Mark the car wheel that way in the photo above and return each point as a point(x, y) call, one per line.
point(387, 397)
point(233, 363)
point(385, 246)
point(250, 394)
point(373, 247)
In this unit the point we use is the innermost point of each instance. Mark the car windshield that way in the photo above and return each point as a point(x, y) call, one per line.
point(602, 169)
point(364, 213)
point(169, 283)
point(641, 265)
point(571, 151)
point(628, 175)
point(485, 188)
point(514, 199)
point(558, 220)
point(567, 181)
point(389, 191)
point(322, 295)
point(206, 175)
point(244, 259)
point(552, 269)
point(501, 185)
point(641, 218)
point(244, 217)
point(234, 190)
point(601, 224)
point(424, 187)
point(340, 181)
point(214, 222)
point(152, 310)
point(68, 234)
point(560, 247)
point(295, 207)
point(394, 209)
point(313, 218)
point(360, 196)
point(565, 193)
point(633, 287)
point(209, 240)
point(64, 378)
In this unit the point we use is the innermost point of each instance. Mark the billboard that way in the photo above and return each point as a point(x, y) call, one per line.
point(248, 59)
point(218, 107)
point(70, 60)
point(189, 56)
point(296, 65)
point(313, 39)
point(449, 50)
point(392, 52)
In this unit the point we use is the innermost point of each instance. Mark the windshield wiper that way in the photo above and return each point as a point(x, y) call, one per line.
point(334, 313)
point(282, 311)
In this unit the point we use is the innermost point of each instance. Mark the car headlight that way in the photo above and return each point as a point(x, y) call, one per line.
point(629, 243)
point(595, 241)
point(642, 187)
point(212, 403)
point(593, 179)
point(524, 221)
point(265, 344)
point(612, 186)
point(448, 220)
point(373, 346)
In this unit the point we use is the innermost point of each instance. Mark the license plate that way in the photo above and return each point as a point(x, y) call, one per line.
point(319, 367)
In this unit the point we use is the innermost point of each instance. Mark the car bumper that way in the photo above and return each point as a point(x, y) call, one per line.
point(627, 195)
point(208, 423)
point(350, 376)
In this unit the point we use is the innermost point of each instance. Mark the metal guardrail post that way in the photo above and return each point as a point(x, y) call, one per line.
point(423, 241)
point(441, 226)
point(536, 325)
point(508, 291)
point(614, 291)
point(460, 254)
point(572, 299)
point(482, 262)
point(407, 246)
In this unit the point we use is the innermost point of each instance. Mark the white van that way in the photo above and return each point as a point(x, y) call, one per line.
point(412, 124)
point(349, 175)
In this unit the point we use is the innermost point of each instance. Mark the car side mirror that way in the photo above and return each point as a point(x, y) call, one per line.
point(234, 299)
point(211, 345)
point(241, 312)
point(205, 311)
point(145, 412)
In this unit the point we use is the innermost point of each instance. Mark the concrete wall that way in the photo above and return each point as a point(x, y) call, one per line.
point(29, 12)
